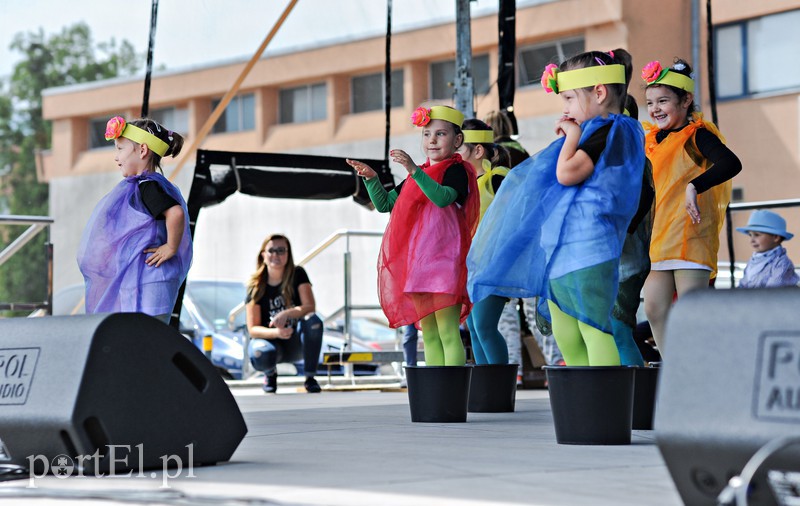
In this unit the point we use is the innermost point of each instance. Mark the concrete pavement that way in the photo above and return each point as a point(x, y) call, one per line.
point(354, 447)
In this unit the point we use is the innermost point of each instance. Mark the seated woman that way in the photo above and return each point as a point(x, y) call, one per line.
point(279, 297)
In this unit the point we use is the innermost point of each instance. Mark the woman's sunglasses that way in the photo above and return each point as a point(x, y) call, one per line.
point(277, 251)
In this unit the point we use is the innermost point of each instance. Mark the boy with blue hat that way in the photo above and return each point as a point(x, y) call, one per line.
point(769, 266)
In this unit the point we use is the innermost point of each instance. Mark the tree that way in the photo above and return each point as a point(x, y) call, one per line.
point(69, 57)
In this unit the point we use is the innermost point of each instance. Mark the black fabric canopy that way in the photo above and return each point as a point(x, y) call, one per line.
point(219, 174)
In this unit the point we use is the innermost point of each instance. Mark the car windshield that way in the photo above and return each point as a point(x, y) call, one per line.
point(215, 299)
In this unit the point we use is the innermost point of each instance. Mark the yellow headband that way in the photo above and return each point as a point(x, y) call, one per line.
point(448, 114)
point(590, 76)
point(479, 136)
point(653, 73)
point(140, 136)
point(117, 127)
point(677, 80)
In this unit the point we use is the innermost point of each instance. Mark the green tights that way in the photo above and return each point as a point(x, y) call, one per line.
point(442, 337)
point(580, 343)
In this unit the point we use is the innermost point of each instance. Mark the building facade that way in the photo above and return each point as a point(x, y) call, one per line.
point(325, 101)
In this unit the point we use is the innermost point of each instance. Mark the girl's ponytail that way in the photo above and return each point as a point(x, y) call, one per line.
point(623, 57)
point(500, 156)
point(175, 141)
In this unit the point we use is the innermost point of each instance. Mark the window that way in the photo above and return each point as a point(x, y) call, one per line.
point(368, 92)
point(443, 76)
point(303, 104)
point(751, 55)
point(172, 118)
point(532, 60)
point(240, 115)
point(97, 132)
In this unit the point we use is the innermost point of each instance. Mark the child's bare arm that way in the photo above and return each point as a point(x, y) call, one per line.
point(174, 218)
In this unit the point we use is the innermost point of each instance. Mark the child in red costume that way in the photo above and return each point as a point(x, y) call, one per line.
point(422, 272)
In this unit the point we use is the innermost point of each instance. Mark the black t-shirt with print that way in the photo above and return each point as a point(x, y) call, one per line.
point(273, 302)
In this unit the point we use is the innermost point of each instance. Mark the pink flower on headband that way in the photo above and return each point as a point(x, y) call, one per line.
point(549, 79)
point(114, 127)
point(421, 116)
point(651, 72)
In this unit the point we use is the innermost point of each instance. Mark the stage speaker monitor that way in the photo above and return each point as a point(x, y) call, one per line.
point(110, 393)
point(730, 383)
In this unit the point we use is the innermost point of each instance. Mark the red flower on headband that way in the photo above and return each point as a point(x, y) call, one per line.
point(114, 127)
point(651, 72)
point(549, 78)
point(421, 116)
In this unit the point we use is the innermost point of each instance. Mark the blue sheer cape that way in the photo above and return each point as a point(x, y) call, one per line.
point(537, 230)
point(111, 253)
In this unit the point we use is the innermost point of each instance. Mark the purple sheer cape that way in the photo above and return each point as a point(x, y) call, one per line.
point(111, 253)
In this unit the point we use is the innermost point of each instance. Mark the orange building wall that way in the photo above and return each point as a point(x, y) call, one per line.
point(763, 131)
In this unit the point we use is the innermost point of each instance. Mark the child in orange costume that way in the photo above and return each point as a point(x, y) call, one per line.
point(692, 169)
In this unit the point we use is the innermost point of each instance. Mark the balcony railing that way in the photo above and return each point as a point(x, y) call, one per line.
point(36, 225)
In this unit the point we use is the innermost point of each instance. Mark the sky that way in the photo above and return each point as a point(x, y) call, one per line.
point(198, 32)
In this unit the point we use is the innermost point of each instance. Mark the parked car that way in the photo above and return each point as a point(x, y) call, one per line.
point(205, 310)
point(376, 335)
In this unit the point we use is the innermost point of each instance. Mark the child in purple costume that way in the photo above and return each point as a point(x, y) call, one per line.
point(136, 248)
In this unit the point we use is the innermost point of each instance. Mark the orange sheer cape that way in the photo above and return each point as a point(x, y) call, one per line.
point(676, 161)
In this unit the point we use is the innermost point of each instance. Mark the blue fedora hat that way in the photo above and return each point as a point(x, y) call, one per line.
point(766, 222)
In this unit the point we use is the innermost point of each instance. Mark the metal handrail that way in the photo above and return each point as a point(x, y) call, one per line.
point(305, 259)
point(765, 204)
point(328, 241)
point(37, 224)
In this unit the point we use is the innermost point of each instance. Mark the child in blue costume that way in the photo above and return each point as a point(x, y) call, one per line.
point(557, 225)
point(490, 160)
point(136, 248)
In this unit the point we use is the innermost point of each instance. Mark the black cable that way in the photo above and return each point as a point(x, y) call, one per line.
point(149, 70)
point(712, 98)
point(506, 73)
point(388, 81)
point(13, 472)
point(736, 493)
point(159, 496)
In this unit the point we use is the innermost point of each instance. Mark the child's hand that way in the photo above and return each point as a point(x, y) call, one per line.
point(159, 255)
point(691, 203)
point(362, 168)
point(566, 124)
point(401, 157)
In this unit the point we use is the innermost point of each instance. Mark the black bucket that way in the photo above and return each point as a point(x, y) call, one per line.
point(438, 394)
point(591, 405)
point(493, 388)
point(644, 397)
